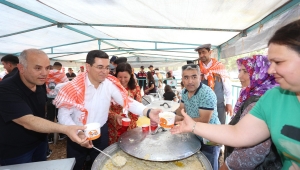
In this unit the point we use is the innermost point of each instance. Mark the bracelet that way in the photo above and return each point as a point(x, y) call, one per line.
point(148, 112)
point(194, 127)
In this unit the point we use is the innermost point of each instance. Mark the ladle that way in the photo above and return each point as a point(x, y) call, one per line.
point(157, 129)
point(120, 164)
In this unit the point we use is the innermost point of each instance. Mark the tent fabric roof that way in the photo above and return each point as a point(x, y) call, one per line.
point(156, 31)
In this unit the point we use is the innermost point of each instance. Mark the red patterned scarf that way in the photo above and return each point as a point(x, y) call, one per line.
point(216, 68)
point(72, 94)
point(56, 76)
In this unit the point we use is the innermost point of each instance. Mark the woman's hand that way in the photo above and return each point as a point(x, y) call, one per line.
point(119, 119)
point(186, 125)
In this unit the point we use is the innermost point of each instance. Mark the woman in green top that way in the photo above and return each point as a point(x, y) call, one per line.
point(276, 114)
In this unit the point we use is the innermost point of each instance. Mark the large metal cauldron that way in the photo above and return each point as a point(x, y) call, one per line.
point(112, 149)
point(161, 147)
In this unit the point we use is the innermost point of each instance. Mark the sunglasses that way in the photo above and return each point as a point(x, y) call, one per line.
point(191, 66)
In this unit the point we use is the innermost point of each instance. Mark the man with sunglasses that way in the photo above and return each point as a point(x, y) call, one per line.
point(199, 102)
point(216, 77)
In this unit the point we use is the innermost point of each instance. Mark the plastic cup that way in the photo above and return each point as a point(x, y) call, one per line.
point(92, 131)
point(166, 119)
point(153, 125)
point(126, 121)
point(145, 128)
point(153, 128)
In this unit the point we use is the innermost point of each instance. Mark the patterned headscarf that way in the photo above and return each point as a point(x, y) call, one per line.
point(260, 81)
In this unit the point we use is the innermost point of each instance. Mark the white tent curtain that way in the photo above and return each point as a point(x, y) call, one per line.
point(158, 32)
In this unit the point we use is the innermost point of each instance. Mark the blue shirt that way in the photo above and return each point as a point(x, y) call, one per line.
point(204, 98)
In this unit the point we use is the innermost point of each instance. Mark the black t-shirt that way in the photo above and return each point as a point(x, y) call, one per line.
point(17, 100)
point(71, 76)
point(169, 96)
point(13, 72)
point(149, 85)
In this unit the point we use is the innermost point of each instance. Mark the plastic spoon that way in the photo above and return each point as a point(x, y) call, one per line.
point(120, 164)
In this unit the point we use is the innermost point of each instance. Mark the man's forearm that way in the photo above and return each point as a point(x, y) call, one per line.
point(178, 111)
point(41, 125)
point(64, 116)
point(137, 108)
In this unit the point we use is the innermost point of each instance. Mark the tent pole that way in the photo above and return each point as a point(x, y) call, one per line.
point(219, 52)
point(99, 44)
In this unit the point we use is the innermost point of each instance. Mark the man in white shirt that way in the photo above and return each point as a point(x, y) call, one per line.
point(156, 80)
point(216, 77)
point(86, 99)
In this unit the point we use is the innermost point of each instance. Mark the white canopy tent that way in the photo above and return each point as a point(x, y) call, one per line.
point(158, 32)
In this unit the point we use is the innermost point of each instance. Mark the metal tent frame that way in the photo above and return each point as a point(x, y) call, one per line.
point(78, 37)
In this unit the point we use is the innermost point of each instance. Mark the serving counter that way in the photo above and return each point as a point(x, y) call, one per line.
point(59, 164)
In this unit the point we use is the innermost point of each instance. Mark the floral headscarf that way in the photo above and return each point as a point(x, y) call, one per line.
point(260, 81)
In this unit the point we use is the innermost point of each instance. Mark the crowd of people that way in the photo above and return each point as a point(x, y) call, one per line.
point(264, 132)
point(275, 115)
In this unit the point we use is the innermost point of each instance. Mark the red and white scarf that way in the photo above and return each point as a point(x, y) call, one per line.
point(72, 95)
point(216, 68)
point(57, 77)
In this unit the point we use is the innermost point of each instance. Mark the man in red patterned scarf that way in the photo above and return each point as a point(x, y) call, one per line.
point(87, 98)
point(215, 76)
point(55, 76)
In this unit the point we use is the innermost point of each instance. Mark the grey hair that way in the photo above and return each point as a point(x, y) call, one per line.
point(23, 55)
point(191, 68)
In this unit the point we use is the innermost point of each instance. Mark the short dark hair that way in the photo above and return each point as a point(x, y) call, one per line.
point(168, 88)
point(126, 67)
point(113, 58)
point(90, 58)
point(57, 64)
point(120, 60)
point(11, 59)
point(288, 35)
point(169, 74)
point(208, 49)
point(191, 67)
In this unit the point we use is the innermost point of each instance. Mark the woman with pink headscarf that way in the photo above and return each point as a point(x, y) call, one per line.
point(255, 82)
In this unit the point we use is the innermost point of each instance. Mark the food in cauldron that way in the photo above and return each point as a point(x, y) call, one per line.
point(190, 163)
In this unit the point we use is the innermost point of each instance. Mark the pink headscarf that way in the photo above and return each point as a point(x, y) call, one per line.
point(260, 81)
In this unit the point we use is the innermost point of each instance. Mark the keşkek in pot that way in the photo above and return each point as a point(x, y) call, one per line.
point(149, 151)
